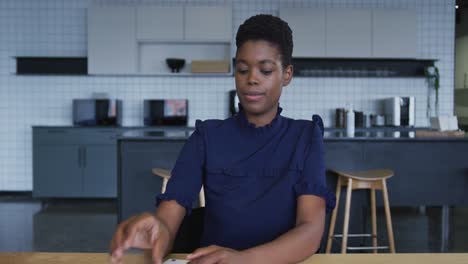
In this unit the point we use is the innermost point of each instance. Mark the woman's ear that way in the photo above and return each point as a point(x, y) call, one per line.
point(288, 74)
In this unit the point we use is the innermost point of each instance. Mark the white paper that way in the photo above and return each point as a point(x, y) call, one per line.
point(176, 261)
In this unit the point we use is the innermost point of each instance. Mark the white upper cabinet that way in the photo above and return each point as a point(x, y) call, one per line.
point(111, 40)
point(160, 23)
point(394, 34)
point(308, 27)
point(348, 33)
point(208, 23)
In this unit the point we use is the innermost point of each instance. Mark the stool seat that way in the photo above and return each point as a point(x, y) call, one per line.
point(166, 176)
point(368, 175)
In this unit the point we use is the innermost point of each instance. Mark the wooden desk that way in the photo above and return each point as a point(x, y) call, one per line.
point(88, 258)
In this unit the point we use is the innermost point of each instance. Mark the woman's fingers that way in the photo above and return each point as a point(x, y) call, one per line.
point(121, 239)
point(158, 251)
point(203, 251)
point(118, 240)
point(140, 232)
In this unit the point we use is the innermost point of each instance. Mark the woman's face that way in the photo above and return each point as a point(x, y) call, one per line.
point(260, 76)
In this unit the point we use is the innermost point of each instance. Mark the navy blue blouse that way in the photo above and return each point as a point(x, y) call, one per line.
point(252, 177)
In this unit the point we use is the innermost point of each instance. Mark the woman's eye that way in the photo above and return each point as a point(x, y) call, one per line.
point(242, 71)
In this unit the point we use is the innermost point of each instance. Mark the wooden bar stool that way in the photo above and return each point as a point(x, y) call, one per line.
point(371, 180)
point(166, 175)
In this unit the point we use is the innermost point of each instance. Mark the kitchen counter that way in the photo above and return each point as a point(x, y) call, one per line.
point(173, 134)
point(387, 136)
point(331, 134)
point(128, 128)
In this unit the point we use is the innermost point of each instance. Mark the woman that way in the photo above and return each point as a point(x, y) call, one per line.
point(263, 174)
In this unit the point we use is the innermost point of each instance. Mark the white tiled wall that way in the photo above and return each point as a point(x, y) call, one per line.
point(58, 28)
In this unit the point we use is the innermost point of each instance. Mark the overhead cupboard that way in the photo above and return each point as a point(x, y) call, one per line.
point(352, 33)
point(139, 39)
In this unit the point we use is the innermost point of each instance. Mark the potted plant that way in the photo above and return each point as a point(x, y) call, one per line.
point(433, 81)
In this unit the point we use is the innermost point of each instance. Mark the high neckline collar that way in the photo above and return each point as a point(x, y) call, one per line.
point(244, 122)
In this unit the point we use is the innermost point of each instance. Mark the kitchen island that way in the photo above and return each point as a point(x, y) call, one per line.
point(428, 171)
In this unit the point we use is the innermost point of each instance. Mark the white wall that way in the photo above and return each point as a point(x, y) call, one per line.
point(58, 28)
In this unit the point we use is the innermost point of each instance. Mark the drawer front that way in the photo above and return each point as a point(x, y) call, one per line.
point(104, 136)
point(56, 136)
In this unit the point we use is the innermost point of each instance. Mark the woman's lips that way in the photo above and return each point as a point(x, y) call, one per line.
point(253, 97)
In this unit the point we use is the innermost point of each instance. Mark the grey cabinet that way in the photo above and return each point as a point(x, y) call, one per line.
point(308, 26)
point(100, 171)
point(157, 23)
point(394, 34)
point(57, 171)
point(352, 33)
point(348, 33)
point(74, 162)
point(208, 23)
point(112, 47)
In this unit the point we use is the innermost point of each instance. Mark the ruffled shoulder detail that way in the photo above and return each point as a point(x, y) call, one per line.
point(186, 202)
point(317, 120)
point(318, 190)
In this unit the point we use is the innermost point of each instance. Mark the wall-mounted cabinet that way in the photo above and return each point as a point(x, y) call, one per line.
point(394, 34)
point(308, 27)
point(160, 23)
point(352, 33)
point(348, 33)
point(208, 23)
point(142, 37)
point(112, 48)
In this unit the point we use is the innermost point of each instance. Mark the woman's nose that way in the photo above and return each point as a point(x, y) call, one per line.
point(252, 78)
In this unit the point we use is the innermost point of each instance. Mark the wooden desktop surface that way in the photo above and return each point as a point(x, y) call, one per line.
point(85, 258)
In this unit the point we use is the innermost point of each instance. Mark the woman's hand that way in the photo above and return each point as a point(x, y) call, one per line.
point(216, 254)
point(144, 231)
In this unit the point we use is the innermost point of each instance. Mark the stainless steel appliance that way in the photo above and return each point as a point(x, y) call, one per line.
point(97, 112)
point(165, 112)
point(399, 111)
point(233, 102)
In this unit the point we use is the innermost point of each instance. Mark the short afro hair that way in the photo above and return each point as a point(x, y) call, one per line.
point(269, 28)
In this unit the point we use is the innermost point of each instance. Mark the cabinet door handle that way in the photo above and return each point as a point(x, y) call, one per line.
point(79, 157)
point(464, 80)
point(84, 157)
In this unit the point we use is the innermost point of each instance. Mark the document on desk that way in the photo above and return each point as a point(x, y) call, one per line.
point(176, 261)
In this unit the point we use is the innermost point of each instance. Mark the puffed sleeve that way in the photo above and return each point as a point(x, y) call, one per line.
point(312, 180)
point(186, 176)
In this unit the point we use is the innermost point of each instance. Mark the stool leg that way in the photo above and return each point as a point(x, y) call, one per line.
point(388, 217)
point(374, 220)
point(344, 242)
point(331, 230)
point(164, 185)
point(201, 197)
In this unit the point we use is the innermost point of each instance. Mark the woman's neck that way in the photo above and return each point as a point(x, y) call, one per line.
point(262, 119)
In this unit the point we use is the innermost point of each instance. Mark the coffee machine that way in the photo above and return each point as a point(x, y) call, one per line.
point(399, 111)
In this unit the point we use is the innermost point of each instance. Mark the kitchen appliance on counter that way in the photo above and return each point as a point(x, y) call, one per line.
point(97, 112)
point(377, 120)
point(399, 111)
point(165, 112)
point(233, 102)
point(340, 115)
